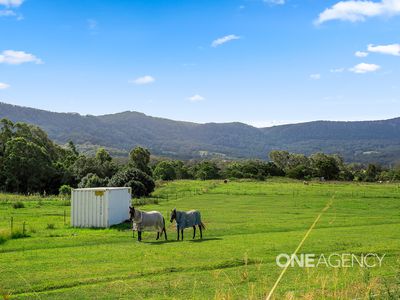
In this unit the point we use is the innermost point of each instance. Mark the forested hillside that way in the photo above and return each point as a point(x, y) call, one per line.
point(367, 141)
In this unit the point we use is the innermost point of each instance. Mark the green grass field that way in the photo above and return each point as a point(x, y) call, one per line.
point(248, 225)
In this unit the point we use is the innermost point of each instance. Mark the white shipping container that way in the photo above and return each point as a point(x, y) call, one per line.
point(100, 207)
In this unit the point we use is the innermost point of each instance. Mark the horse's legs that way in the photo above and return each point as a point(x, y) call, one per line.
point(165, 234)
point(201, 232)
point(182, 234)
point(139, 236)
point(194, 232)
point(177, 231)
point(158, 236)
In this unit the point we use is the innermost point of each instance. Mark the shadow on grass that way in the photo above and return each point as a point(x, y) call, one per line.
point(126, 225)
point(160, 242)
point(205, 240)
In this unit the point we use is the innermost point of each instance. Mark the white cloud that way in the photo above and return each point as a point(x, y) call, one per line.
point(144, 80)
point(12, 57)
point(361, 54)
point(4, 86)
point(355, 10)
point(276, 2)
point(364, 68)
point(315, 76)
point(337, 70)
point(9, 3)
point(225, 39)
point(196, 98)
point(393, 49)
point(7, 13)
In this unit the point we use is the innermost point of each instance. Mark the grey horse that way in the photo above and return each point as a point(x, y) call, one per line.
point(186, 219)
point(147, 221)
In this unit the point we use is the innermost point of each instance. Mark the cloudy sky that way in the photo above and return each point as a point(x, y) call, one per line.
point(261, 62)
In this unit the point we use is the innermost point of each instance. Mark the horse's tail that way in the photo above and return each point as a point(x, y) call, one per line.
point(202, 225)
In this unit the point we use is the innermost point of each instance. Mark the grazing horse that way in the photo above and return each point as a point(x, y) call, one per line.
point(186, 219)
point(147, 221)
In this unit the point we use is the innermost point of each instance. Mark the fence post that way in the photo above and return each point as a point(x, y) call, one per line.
point(12, 224)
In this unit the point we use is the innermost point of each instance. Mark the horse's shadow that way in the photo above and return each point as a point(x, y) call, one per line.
point(158, 242)
point(205, 240)
point(175, 241)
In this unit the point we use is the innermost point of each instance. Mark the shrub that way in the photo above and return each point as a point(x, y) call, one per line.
point(141, 183)
point(51, 226)
point(299, 172)
point(165, 170)
point(65, 190)
point(92, 180)
point(18, 204)
point(4, 236)
point(17, 234)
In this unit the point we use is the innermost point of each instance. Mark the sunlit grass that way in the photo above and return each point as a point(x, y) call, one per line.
point(248, 225)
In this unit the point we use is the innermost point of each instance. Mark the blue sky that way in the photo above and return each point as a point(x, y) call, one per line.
point(254, 61)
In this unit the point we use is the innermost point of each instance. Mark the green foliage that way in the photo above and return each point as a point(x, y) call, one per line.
point(372, 172)
point(206, 170)
point(165, 170)
point(18, 204)
point(50, 226)
point(325, 166)
point(26, 166)
point(30, 161)
point(300, 172)
point(92, 180)
point(140, 158)
point(65, 190)
point(18, 234)
point(252, 169)
point(141, 183)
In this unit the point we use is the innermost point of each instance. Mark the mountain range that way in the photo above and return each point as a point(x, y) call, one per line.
point(361, 141)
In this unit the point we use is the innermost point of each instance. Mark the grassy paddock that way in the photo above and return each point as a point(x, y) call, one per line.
point(248, 225)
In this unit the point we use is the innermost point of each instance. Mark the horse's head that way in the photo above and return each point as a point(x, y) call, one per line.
point(131, 212)
point(173, 215)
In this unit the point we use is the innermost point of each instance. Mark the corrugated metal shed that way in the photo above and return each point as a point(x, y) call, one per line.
point(100, 207)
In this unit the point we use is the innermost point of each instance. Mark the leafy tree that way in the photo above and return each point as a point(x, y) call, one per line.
point(140, 158)
point(206, 170)
point(84, 165)
point(141, 183)
point(372, 172)
point(325, 166)
point(92, 180)
point(26, 166)
point(299, 172)
point(182, 171)
point(65, 190)
point(102, 156)
point(280, 158)
point(165, 170)
point(106, 168)
point(72, 148)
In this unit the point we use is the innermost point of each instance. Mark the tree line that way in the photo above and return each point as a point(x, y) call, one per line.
point(32, 163)
point(318, 166)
